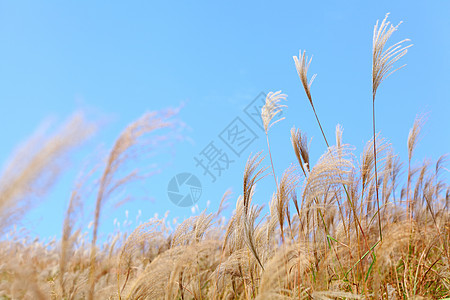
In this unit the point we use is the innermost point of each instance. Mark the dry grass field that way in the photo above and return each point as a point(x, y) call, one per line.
point(348, 226)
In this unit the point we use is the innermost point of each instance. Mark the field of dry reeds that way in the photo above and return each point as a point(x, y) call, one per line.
point(348, 226)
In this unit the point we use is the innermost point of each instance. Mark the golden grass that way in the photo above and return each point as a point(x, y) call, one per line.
point(336, 229)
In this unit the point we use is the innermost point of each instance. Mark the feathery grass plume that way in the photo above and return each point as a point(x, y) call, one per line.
point(223, 203)
point(122, 150)
point(190, 265)
point(36, 165)
point(248, 223)
point(440, 166)
point(367, 164)
point(300, 145)
point(234, 227)
point(233, 275)
point(330, 172)
point(339, 131)
point(387, 172)
point(28, 263)
point(302, 66)
point(68, 238)
point(192, 230)
point(321, 191)
point(419, 185)
point(270, 109)
point(285, 189)
point(136, 248)
point(382, 63)
point(192, 271)
point(410, 249)
point(251, 177)
point(290, 262)
point(395, 172)
point(413, 138)
point(266, 236)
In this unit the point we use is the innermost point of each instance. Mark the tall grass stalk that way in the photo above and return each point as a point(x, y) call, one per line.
point(382, 63)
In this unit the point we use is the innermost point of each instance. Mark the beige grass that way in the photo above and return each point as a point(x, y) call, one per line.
point(326, 232)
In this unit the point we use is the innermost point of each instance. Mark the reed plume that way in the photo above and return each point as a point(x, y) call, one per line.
point(109, 183)
point(302, 65)
point(271, 108)
point(382, 64)
point(36, 165)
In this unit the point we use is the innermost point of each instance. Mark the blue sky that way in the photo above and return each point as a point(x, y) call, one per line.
point(117, 60)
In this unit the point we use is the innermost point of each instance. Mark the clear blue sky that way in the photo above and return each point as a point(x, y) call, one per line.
point(118, 60)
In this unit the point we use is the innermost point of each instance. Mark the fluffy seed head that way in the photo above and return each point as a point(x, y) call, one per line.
point(302, 65)
point(272, 108)
point(413, 135)
point(384, 60)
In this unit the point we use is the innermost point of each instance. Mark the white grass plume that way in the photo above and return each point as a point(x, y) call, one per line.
point(271, 108)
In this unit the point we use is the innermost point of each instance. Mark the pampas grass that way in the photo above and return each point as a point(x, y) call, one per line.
point(119, 154)
point(382, 64)
point(35, 165)
point(302, 64)
point(326, 232)
point(271, 108)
